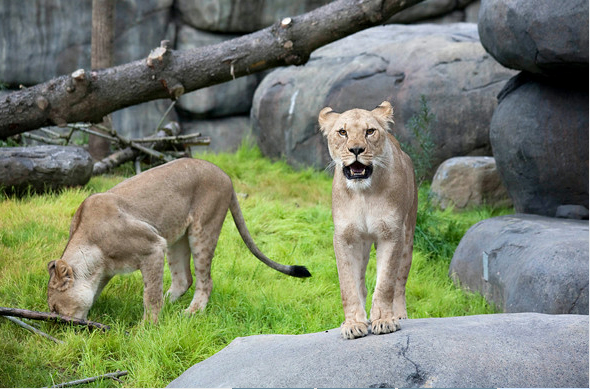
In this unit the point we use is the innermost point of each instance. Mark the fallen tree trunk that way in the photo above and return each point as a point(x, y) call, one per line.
point(88, 96)
point(43, 167)
point(36, 315)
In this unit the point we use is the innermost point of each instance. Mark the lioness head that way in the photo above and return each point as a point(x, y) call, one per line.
point(357, 141)
point(66, 295)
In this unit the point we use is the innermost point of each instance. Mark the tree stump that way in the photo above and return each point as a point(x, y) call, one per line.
point(43, 168)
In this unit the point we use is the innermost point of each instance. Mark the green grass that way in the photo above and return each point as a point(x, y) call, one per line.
point(287, 212)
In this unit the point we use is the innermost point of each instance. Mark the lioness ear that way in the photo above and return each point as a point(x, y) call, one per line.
point(384, 111)
point(61, 275)
point(326, 119)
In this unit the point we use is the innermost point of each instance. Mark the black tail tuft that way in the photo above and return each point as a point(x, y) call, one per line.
point(299, 271)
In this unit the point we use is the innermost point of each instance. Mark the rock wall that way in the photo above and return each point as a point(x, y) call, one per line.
point(42, 40)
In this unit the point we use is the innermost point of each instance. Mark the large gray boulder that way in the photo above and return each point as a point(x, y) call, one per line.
point(42, 40)
point(42, 168)
point(539, 135)
point(541, 36)
point(399, 63)
point(503, 350)
point(526, 263)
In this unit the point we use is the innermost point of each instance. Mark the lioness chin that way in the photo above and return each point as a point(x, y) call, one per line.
point(172, 210)
point(374, 201)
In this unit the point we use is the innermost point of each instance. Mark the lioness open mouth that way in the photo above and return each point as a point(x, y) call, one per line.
point(357, 171)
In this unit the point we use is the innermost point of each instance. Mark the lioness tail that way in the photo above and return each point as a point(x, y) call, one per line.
point(236, 212)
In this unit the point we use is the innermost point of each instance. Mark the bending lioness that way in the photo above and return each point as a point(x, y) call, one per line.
point(374, 201)
point(172, 210)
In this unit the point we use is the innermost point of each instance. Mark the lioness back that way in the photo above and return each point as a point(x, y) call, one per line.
point(168, 194)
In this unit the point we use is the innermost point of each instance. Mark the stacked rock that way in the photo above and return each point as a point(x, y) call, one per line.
point(539, 137)
point(539, 131)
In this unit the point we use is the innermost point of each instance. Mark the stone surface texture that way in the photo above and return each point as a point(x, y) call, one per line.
point(42, 40)
point(526, 263)
point(503, 350)
point(463, 182)
point(541, 36)
point(539, 136)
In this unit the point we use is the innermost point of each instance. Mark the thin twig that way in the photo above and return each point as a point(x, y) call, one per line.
point(32, 329)
point(164, 116)
point(36, 315)
point(87, 130)
point(53, 134)
point(114, 376)
point(39, 138)
point(199, 142)
point(177, 138)
point(137, 166)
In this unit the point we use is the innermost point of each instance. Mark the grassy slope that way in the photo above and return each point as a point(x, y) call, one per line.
point(287, 212)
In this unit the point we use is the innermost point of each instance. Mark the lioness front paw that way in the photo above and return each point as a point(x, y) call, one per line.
point(354, 330)
point(385, 326)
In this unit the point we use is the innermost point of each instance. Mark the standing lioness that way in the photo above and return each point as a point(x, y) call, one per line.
point(374, 201)
point(171, 210)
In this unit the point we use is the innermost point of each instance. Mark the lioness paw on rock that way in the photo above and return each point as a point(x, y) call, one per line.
point(374, 201)
point(172, 210)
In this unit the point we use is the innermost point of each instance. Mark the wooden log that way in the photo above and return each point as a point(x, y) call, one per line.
point(41, 168)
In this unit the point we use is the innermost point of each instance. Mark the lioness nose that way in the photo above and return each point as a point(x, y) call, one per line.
point(356, 150)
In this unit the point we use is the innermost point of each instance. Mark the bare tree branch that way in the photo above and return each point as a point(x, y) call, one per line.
point(115, 376)
point(36, 315)
point(32, 329)
point(87, 96)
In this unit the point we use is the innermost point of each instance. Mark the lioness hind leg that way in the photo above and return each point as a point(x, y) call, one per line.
point(202, 241)
point(152, 272)
point(179, 262)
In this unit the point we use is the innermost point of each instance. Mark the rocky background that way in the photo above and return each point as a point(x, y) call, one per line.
point(506, 81)
point(41, 40)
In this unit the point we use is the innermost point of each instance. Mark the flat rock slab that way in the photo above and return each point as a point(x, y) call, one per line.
point(502, 350)
point(526, 263)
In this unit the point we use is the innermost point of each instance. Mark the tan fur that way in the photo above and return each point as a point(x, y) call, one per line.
point(172, 210)
point(380, 210)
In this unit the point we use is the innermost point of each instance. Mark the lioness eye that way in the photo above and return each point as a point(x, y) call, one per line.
point(342, 132)
point(370, 131)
